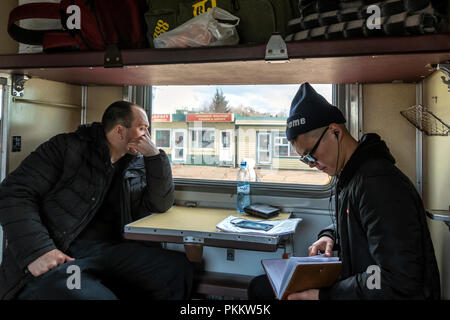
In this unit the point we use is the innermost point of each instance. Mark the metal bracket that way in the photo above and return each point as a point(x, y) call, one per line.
point(445, 68)
point(276, 50)
point(18, 84)
point(190, 239)
point(440, 215)
point(230, 254)
point(113, 57)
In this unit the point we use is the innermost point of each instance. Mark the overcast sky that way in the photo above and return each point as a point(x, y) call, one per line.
point(263, 98)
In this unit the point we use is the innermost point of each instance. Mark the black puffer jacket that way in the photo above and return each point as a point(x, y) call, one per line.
point(381, 222)
point(54, 193)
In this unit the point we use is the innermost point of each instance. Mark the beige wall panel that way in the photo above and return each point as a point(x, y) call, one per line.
point(8, 45)
point(436, 173)
point(223, 126)
point(382, 105)
point(247, 143)
point(37, 123)
point(98, 99)
point(436, 148)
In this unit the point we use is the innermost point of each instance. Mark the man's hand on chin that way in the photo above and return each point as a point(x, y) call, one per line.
point(143, 145)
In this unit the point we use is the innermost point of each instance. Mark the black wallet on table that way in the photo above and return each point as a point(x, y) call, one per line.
point(261, 210)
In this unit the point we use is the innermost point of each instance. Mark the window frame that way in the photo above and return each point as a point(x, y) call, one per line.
point(230, 142)
point(269, 147)
point(291, 152)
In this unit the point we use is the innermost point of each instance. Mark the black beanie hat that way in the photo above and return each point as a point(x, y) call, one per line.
point(309, 111)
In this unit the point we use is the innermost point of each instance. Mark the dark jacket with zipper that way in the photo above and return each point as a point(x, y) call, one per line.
point(55, 192)
point(381, 222)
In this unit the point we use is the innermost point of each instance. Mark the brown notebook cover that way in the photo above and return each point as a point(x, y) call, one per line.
point(305, 275)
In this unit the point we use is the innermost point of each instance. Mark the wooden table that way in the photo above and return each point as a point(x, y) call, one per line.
point(196, 227)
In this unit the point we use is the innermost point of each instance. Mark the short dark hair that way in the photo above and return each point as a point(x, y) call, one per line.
point(119, 112)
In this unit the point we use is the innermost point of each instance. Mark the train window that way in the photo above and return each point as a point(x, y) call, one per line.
point(208, 130)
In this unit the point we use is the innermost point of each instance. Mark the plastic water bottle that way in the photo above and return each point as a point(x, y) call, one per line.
point(243, 188)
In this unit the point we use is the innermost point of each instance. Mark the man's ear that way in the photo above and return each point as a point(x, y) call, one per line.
point(294, 143)
point(336, 130)
point(119, 131)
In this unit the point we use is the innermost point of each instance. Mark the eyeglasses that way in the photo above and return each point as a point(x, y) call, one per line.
point(309, 158)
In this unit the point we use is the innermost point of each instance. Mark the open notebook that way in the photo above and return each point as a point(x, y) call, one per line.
point(296, 274)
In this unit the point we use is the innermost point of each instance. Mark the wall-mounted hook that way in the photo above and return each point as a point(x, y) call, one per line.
point(18, 84)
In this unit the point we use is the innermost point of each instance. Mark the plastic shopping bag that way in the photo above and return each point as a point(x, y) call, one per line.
point(215, 27)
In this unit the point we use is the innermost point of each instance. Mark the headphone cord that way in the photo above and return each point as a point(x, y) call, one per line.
point(334, 217)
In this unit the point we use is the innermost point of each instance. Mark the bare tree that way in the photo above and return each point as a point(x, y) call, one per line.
point(248, 111)
point(282, 114)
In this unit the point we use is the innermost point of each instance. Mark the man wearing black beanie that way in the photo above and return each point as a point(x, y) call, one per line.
point(380, 224)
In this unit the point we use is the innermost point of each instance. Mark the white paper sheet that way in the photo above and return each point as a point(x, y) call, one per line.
point(281, 227)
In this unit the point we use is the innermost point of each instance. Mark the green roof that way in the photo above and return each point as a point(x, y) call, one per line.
point(241, 117)
point(178, 117)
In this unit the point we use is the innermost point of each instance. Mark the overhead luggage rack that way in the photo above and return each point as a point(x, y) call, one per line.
point(363, 60)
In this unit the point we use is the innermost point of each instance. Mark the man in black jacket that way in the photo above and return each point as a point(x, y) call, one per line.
point(64, 208)
point(380, 230)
